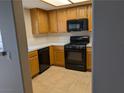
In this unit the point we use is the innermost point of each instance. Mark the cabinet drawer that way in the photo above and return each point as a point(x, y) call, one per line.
point(32, 54)
point(89, 49)
point(58, 48)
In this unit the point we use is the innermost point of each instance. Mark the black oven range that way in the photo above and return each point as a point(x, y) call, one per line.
point(75, 53)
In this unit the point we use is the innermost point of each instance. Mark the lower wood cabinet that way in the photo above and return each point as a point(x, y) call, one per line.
point(33, 63)
point(89, 59)
point(57, 56)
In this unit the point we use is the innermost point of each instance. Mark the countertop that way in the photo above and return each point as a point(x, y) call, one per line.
point(43, 45)
point(89, 45)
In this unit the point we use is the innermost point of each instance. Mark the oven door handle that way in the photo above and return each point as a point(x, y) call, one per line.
point(74, 50)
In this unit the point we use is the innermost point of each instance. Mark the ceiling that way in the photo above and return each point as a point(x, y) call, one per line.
point(40, 4)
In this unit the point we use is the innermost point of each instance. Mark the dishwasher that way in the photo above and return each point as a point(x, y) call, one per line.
point(44, 59)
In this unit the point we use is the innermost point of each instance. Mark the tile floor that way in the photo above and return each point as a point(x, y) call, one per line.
point(61, 80)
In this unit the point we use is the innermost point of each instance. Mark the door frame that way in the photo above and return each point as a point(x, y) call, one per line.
point(13, 26)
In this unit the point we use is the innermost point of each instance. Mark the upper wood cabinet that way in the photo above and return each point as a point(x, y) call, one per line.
point(72, 13)
point(53, 21)
point(82, 12)
point(90, 17)
point(61, 20)
point(39, 19)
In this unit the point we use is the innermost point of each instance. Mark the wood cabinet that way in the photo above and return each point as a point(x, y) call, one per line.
point(89, 59)
point(61, 20)
point(53, 21)
point(51, 52)
point(33, 63)
point(39, 19)
point(72, 13)
point(82, 12)
point(90, 17)
point(57, 56)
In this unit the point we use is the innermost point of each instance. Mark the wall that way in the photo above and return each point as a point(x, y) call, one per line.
point(65, 37)
point(108, 46)
point(30, 38)
point(1, 45)
point(45, 38)
point(11, 80)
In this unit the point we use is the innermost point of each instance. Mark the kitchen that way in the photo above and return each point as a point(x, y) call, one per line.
point(108, 47)
point(48, 36)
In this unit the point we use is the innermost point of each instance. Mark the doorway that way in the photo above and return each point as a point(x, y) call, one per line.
point(57, 78)
point(13, 52)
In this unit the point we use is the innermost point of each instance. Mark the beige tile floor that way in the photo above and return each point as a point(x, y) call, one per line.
point(61, 80)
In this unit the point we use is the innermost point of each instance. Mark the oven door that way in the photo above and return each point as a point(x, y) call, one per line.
point(75, 59)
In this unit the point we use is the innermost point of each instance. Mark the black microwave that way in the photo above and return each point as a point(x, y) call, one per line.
point(77, 25)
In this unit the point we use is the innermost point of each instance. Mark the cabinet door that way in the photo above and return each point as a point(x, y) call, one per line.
point(52, 60)
point(82, 12)
point(53, 21)
point(89, 58)
point(62, 18)
point(39, 19)
point(43, 21)
point(33, 63)
point(72, 13)
point(59, 56)
point(34, 21)
point(90, 17)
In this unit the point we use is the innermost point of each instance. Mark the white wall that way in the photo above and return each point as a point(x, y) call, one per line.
point(53, 38)
point(30, 38)
point(1, 45)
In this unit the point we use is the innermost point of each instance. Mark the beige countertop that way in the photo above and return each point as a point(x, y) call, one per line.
point(89, 45)
point(43, 45)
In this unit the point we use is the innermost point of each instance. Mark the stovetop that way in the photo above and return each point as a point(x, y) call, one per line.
point(75, 46)
point(77, 42)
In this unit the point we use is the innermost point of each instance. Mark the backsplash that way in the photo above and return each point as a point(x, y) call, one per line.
point(48, 38)
point(32, 40)
point(65, 37)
